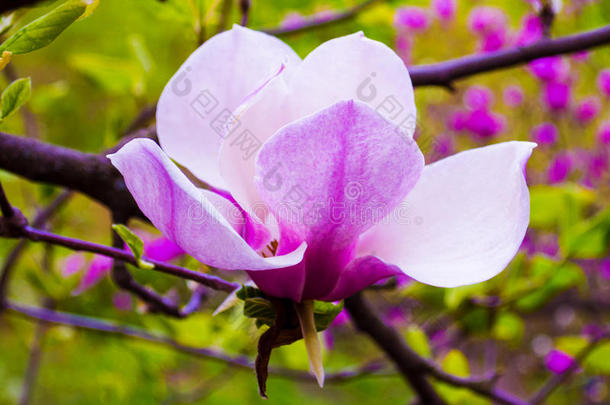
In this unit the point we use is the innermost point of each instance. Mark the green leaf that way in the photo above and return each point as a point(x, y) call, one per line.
point(135, 245)
point(15, 95)
point(456, 363)
point(41, 32)
point(508, 327)
point(418, 340)
point(325, 313)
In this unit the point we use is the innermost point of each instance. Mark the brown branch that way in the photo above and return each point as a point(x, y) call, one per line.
point(392, 344)
point(415, 368)
point(315, 23)
point(444, 73)
point(15, 4)
point(90, 174)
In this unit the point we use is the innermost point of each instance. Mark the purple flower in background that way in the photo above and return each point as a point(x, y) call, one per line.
point(444, 9)
point(98, 268)
point(492, 41)
point(478, 97)
point(490, 25)
point(587, 109)
point(443, 146)
point(604, 268)
point(73, 263)
point(603, 133)
point(552, 68)
point(580, 56)
point(558, 362)
point(404, 46)
point(545, 134)
point(603, 82)
point(531, 31)
point(411, 18)
point(484, 124)
point(556, 95)
point(122, 301)
point(485, 20)
point(458, 120)
point(559, 168)
point(315, 208)
point(513, 95)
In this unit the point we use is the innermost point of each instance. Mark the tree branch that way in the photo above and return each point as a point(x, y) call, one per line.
point(315, 23)
point(393, 345)
point(414, 367)
point(444, 73)
point(243, 362)
point(37, 235)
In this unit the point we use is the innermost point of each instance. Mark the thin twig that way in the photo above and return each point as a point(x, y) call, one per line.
point(37, 235)
point(244, 6)
point(315, 23)
point(445, 73)
point(414, 367)
point(93, 324)
point(393, 345)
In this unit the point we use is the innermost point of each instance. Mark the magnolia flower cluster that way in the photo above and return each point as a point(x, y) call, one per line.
point(315, 185)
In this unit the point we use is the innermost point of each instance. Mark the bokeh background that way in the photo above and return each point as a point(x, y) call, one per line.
point(527, 323)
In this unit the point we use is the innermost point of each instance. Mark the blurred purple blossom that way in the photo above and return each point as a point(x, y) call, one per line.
point(532, 30)
point(513, 95)
point(552, 68)
point(559, 168)
point(490, 25)
point(587, 109)
point(556, 95)
point(72, 264)
point(558, 362)
point(484, 124)
point(603, 82)
point(545, 134)
point(478, 97)
point(444, 9)
point(604, 268)
point(122, 301)
point(603, 133)
point(412, 18)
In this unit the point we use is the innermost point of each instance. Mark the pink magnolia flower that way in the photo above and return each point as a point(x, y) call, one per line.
point(312, 165)
point(444, 9)
point(587, 109)
point(411, 18)
point(545, 134)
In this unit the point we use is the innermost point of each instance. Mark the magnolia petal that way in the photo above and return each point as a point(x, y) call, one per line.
point(359, 274)
point(201, 222)
point(331, 176)
point(463, 221)
point(207, 88)
point(350, 67)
